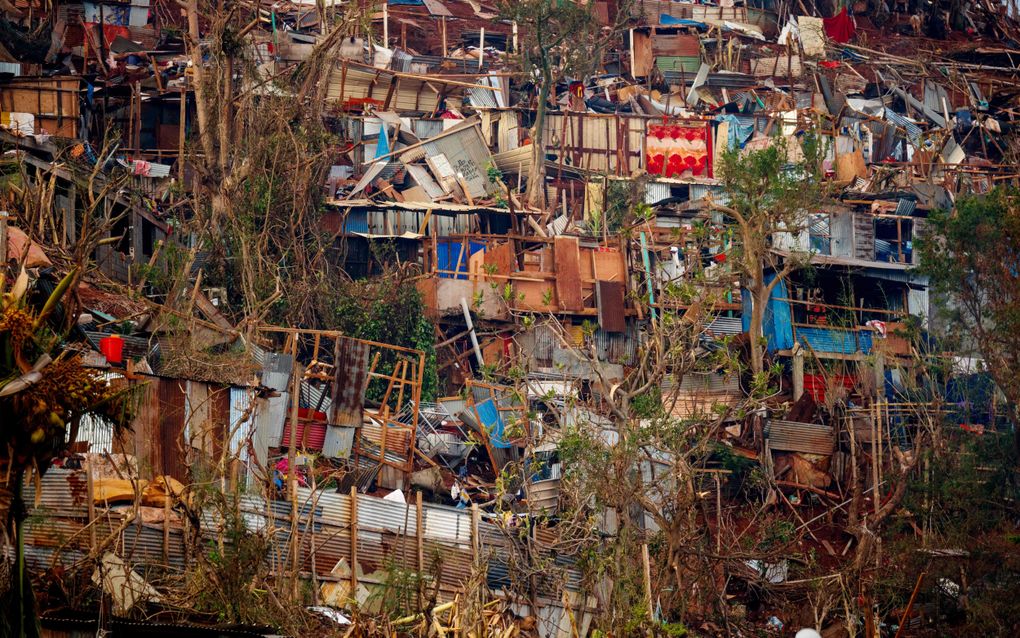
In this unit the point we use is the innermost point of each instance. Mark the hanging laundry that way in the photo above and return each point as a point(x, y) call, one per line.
point(840, 27)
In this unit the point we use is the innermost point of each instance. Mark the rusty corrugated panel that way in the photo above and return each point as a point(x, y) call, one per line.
point(350, 382)
point(62, 492)
point(791, 436)
point(170, 458)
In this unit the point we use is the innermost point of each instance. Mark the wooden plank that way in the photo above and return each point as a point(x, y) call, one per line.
point(643, 58)
point(610, 298)
point(566, 256)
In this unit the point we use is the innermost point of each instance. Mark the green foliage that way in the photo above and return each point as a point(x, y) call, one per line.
point(778, 533)
point(398, 594)
point(226, 572)
point(971, 256)
point(648, 405)
point(387, 311)
point(968, 500)
point(546, 26)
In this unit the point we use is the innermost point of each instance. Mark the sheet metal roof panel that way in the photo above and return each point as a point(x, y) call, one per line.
point(792, 436)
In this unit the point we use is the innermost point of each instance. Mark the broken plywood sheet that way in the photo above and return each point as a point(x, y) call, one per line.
point(122, 584)
point(609, 265)
point(850, 166)
point(484, 300)
point(534, 295)
point(501, 257)
point(812, 36)
point(463, 157)
point(437, 8)
point(610, 298)
point(566, 255)
point(780, 66)
point(643, 57)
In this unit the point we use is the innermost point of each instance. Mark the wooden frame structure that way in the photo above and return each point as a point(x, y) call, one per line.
point(393, 372)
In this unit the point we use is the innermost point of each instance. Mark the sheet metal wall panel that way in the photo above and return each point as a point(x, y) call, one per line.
point(598, 142)
point(468, 155)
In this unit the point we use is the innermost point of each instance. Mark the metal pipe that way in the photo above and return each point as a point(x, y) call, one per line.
point(471, 331)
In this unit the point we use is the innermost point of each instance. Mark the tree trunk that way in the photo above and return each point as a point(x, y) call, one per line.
point(758, 300)
point(536, 176)
point(201, 101)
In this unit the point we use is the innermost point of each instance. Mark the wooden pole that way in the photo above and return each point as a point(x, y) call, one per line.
point(718, 514)
point(475, 545)
point(798, 372)
point(354, 542)
point(166, 530)
point(876, 497)
point(910, 604)
point(647, 565)
point(442, 29)
point(182, 123)
point(3, 237)
point(292, 463)
point(90, 494)
point(418, 533)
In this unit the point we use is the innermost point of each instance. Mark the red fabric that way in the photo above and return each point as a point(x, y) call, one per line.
point(110, 31)
point(840, 27)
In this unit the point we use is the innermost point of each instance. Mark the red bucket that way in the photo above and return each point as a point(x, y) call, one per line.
point(112, 348)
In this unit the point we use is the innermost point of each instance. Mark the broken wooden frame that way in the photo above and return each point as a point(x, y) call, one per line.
point(557, 274)
point(394, 374)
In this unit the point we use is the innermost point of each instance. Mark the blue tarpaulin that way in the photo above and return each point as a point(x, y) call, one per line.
point(777, 324)
point(738, 131)
point(382, 147)
point(667, 20)
point(493, 422)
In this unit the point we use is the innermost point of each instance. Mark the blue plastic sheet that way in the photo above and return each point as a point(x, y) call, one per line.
point(739, 131)
point(493, 422)
point(777, 324)
point(667, 20)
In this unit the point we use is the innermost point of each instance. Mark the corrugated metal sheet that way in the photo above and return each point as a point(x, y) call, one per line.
point(913, 130)
point(424, 129)
point(906, 207)
point(792, 436)
point(350, 382)
point(655, 192)
point(616, 347)
point(424, 179)
point(59, 490)
point(726, 326)
point(837, 341)
point(704, 382)
point(411, 94)
point(467, 155)
point(688, 64)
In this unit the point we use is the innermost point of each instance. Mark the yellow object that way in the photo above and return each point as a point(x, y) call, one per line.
point(153, 493)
